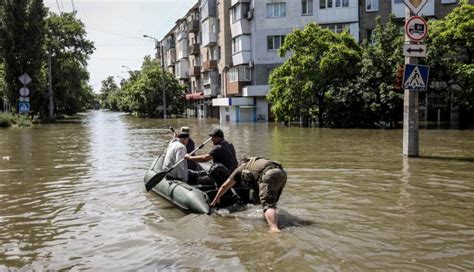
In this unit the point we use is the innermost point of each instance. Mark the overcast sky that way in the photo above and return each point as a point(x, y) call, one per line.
point(117, 28)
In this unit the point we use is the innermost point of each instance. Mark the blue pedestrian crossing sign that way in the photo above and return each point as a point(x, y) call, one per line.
point(24, 107)
point(416, 77)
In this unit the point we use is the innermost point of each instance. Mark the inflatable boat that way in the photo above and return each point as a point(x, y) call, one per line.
point(196, 198)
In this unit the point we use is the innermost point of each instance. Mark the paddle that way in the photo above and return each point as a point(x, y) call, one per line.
point(160, 176)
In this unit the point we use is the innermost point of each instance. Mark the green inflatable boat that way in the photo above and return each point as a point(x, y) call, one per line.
point(196, 198)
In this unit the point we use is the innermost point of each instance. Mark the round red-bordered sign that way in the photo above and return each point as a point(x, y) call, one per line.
point(416, 28)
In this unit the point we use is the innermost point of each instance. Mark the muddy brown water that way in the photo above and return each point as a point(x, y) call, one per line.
point(72, 197)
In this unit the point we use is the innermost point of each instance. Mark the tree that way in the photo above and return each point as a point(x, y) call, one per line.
point(108, 94)
point(319, 60)
point(451, 49)
point(142, 93)
point(21, 44)
point(69, 49)
point(382, 102)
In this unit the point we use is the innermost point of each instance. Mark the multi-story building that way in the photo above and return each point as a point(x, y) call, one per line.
point(258, 30)
point(195, 89)
point(225, 50)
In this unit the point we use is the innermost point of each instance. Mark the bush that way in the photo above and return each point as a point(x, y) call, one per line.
point(23, 120)
point(8, 119)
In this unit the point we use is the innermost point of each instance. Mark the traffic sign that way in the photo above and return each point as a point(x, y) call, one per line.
point(24, 99)
point(24, 91)
point(414, 50)
point(416, 28)
point(416, 77)
point(24, 79)
point(24, 107)
point(415, 5)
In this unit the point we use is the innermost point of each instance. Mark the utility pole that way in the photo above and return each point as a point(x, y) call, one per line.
point(159, 49)
point(50, 89)
point(162, 77)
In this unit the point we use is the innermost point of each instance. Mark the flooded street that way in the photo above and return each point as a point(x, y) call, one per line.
point(72, 197)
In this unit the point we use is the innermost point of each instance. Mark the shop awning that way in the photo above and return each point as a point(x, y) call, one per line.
point(195, 96)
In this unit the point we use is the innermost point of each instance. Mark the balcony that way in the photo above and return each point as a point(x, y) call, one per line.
point(193, 26)
point(208, 9)
point(195, 71)
point(181, 35)
point(209, 64)
point(195, 49)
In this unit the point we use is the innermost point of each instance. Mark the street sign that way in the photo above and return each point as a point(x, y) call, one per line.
point(414, 50)
point(416, 77)
point(24, 107)
point(24, 91)
point(24, 79)
point(415, 5)
point(24, 99)
point(416, 28)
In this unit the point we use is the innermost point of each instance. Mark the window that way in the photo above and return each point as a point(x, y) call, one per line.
point(448, 1)
point(239, 11)
point(275, 10)
point(234, 14)
point(372, 5)
point(338, 28)
point(274, 42)
point(239, 73)
point(398, 1)
point(307, 7)
point(333, 4)
point(370, 36)
point(236, 44)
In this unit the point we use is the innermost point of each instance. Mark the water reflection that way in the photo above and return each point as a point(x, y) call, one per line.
point(72, 197)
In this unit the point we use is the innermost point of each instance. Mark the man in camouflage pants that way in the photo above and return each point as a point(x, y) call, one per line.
point(271, 179)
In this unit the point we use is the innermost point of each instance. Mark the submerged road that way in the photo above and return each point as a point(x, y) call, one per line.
point(72, 197)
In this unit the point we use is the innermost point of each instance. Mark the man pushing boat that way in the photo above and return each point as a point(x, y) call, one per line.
point(269, 176)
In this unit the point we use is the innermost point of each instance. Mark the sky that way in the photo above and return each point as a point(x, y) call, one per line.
point(117, 28)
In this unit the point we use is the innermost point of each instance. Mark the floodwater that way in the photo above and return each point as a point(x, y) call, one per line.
point(72, 198)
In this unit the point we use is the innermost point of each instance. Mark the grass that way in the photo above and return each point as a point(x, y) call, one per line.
point(20, 120)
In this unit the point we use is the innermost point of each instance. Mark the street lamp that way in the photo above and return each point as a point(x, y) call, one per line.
point(159, 50)
point(126, 67)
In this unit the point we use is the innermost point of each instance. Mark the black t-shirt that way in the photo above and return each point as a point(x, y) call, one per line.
point(192, 165)
point(224, 152)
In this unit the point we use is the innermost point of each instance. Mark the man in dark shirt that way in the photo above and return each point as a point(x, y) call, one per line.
point(222, 152)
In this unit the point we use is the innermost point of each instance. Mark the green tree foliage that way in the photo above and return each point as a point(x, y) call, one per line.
point(451, 49)
point(142, 93)
point(319, 61)
point(382, 102)
point(109, 94)
point(66, 42)
point(21, 44)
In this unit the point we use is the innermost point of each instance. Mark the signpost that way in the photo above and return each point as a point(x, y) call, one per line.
point(415, 76)
point(24, 99)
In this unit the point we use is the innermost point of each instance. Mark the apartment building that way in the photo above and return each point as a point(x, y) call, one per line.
point(258, 29)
